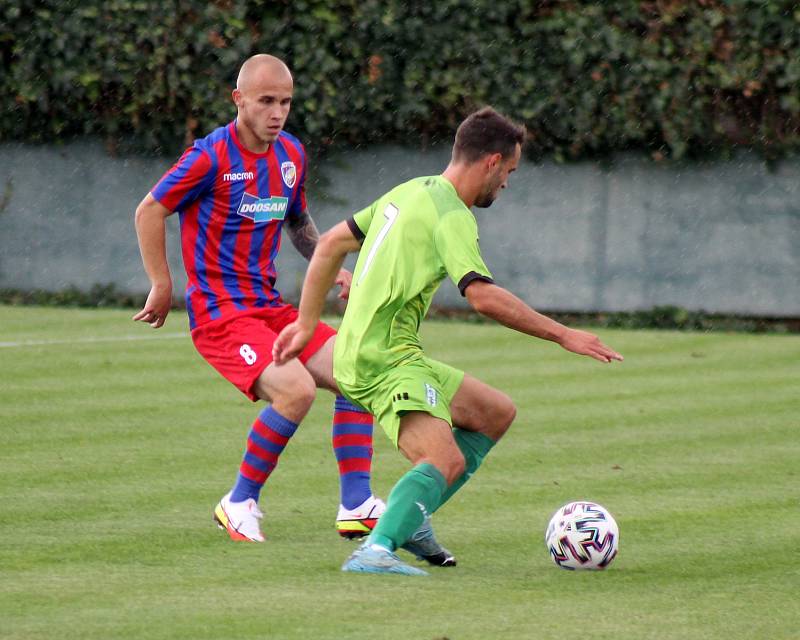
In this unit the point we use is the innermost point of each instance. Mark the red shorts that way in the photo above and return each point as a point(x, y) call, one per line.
point(241, 348)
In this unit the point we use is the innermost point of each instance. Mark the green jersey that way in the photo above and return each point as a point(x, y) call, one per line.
point(413, 237)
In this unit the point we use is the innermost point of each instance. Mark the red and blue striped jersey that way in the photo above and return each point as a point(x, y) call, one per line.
point(232, 205)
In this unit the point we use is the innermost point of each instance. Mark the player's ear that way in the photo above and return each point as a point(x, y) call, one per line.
point(236, 95)
point(493, 160)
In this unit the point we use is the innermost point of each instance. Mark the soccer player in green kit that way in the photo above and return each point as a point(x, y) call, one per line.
point(444, 421)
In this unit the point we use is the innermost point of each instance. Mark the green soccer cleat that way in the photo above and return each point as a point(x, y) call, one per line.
point(370, 558)
point(424, 545)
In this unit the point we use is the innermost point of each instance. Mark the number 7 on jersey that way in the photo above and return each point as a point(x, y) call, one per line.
point(390, 213)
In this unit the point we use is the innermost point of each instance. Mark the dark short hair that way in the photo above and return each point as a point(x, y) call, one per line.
point(485, 132)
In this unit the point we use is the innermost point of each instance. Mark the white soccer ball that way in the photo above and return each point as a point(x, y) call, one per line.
point(582, 535)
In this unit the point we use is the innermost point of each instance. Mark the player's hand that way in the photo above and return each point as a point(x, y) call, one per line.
point(588, 344)
point(290, 342)
point(156, 307)
point(344, 279)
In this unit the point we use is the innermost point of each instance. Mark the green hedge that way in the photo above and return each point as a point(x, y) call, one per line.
point(673, 78)
point(666, 317)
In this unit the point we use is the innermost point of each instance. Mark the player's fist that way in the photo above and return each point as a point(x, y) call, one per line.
point(344, 279)
point(291, 342)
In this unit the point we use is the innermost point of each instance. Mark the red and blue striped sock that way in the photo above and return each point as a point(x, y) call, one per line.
point(267, 439)
point(352, 444)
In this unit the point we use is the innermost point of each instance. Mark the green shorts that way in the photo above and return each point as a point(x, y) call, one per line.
point(421, 385)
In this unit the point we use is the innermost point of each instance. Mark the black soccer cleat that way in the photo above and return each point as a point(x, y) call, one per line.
point(424, 545)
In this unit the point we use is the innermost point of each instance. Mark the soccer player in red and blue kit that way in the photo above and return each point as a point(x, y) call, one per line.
point(235, 190)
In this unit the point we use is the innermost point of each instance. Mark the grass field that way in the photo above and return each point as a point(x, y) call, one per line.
point(116, 441)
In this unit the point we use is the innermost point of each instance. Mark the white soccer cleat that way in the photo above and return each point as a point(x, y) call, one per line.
point(359, 522)
point(239, 519)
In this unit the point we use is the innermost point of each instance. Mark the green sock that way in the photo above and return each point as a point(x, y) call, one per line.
point(475, 446)
point(415, 496)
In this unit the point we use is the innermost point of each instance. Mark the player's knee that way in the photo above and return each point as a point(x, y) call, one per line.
point(294, 398)
point(303, 394)
point(503, 415)
point(510, 414)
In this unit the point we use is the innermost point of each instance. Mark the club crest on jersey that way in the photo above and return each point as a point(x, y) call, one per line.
point(263, 209)
point(289, 173)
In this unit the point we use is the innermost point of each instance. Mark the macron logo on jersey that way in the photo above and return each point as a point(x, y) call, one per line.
point(234, 177)
point(263, 209)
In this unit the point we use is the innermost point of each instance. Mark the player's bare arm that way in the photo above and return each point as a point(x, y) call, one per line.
point(305, 236)
point(151, 233)
point(332, 248)
point(503, 306)
point(303, 233)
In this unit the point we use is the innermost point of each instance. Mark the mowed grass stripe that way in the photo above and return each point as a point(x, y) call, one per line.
point(113, 454)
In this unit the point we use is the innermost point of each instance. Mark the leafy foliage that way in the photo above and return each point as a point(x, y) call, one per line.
point(98, 296)
point(672, 77)
point(101, 296)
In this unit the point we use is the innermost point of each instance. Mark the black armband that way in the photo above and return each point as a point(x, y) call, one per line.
point(355, 230)
point(471, 277)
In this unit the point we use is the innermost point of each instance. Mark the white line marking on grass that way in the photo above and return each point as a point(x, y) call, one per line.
point(136, 338)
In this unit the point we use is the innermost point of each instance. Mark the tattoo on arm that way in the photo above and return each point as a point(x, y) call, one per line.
point(303, 233)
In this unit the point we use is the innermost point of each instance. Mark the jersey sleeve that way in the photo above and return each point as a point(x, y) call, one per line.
point(456, 239)
point(186, 181)
point(359, 223)
point(299, 203)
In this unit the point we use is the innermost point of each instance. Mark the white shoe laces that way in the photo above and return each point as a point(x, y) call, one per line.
point(243, 509)
point(256, 511)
